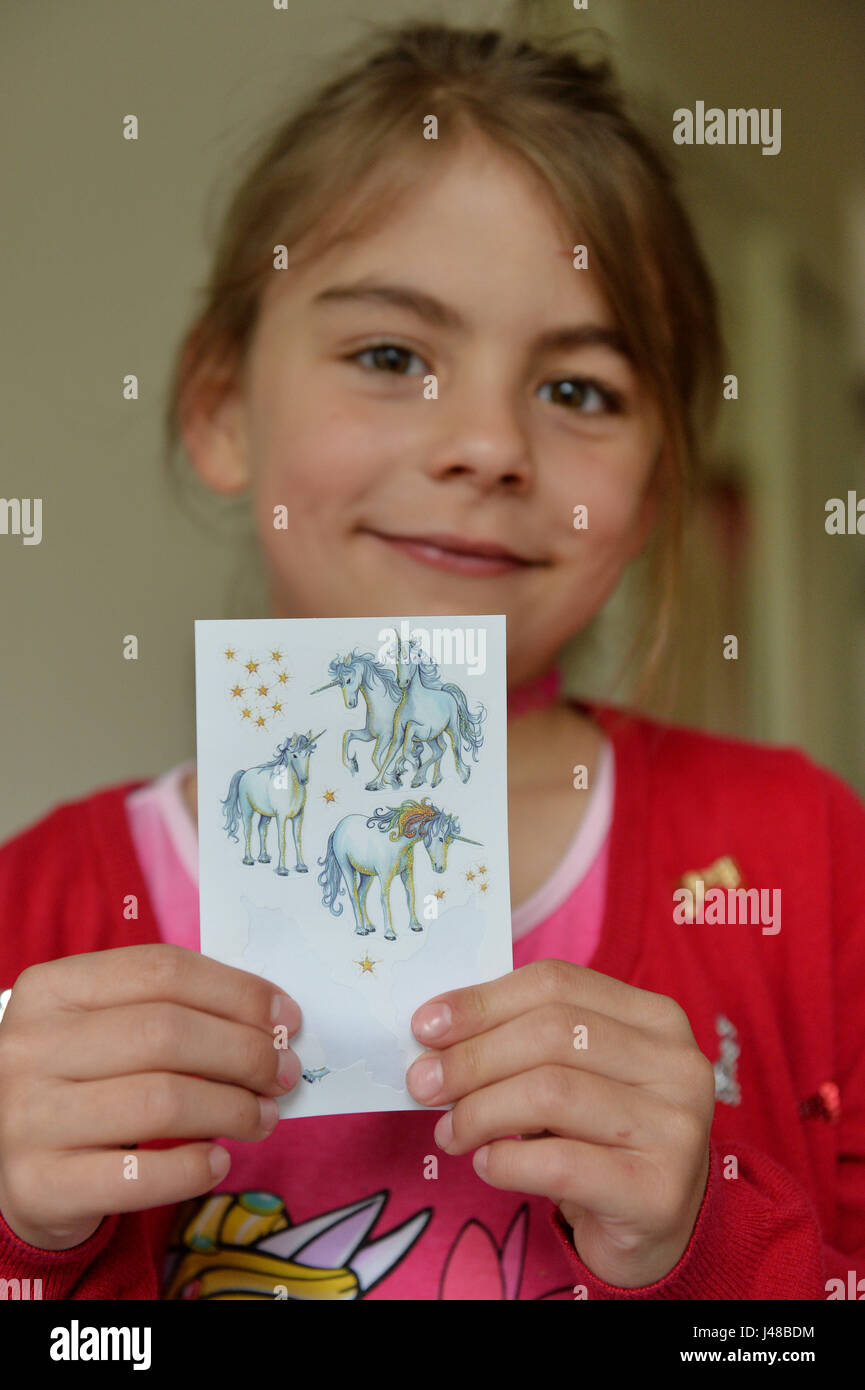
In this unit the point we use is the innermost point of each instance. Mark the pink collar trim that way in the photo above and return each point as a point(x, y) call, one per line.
point(536, 694)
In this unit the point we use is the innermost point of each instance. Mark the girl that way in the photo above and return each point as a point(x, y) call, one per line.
point(660, 1102)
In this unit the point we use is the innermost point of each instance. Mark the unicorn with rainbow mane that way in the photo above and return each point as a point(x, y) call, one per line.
point(361, 848)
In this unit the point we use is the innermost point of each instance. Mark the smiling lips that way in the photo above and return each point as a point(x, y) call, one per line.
point(453, 553)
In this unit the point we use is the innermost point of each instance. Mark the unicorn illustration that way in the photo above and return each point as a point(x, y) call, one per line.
point(429, 710)
point(404, 713)
point(381, 846)
point(359, 674)
point(274, 789)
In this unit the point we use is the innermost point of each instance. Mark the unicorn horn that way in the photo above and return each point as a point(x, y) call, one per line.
point(317, 736)
point(324, 687)
point(466, 841)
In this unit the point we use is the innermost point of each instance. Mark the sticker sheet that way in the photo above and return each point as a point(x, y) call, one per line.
point(352, 829)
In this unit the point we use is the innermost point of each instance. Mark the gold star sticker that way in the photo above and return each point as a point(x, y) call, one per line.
point(440, 892)
point(252, 666)
point(366, 965)
point(283, 677)
point(469, 875)
point(246, 714)
point(236, 690)
point(329, 796)
point(482, 868)
point(484, 887)
point(276, 706)
point(230, 653)
point(260, 722)
point(262, 690)
point(276, 656)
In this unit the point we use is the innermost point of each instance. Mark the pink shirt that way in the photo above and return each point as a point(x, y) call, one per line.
point(297, 1208)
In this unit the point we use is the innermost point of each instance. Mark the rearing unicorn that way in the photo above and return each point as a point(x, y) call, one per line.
point(429, 712)
point(358, 674)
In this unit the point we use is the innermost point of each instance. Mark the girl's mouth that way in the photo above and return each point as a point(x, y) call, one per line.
point(456, 553)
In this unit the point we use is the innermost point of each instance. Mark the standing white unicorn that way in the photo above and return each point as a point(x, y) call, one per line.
point(381, 846)
point(272, 790)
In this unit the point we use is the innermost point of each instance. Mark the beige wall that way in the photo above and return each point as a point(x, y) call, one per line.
point(105, 244)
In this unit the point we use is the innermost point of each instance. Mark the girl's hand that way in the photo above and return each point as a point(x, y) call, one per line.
point(105, 1051)
point(615, 1132)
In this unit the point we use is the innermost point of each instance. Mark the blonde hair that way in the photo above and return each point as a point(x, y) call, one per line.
point(342, 162)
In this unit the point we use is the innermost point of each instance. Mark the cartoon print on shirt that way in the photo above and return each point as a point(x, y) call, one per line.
point(475, 1262)
point(244, 1246)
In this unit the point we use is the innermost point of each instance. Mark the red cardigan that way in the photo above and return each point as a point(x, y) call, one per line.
point(794, 1216)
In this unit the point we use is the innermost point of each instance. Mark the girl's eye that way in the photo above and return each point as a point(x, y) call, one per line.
point(387, 357)
point(588, 397)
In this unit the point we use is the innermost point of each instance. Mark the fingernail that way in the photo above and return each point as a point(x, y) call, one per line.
point(283, 1010)
point(432, 1021)
point(269, 1113)
point(289, 1072)
point(480, 1160)
point(425, 1078)
point(220, 1162)
point(444, 1131)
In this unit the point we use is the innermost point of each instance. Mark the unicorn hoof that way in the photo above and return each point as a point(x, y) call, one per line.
point(390, 936)
point(373, 787)
point(283, 873)
point(264, 859)
point(302, 869)
point(249, 861)
point(416, 928)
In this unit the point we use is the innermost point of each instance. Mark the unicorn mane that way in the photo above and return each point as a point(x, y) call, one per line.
point(413, 820)
point(373, 672)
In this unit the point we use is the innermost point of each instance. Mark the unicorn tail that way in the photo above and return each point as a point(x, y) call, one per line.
point(231, 804)
point(330, 879)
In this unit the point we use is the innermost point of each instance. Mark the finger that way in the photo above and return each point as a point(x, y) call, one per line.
point(151, 1105)
point(166, 1037)
point(573, 1104)
point(566, 1170)
point(461, 1013)
point(546, 1035)
point(140, 974)
point(96, 1184)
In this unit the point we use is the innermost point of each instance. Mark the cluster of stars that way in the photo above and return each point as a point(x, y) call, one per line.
point(264, 680)
point(477, 875)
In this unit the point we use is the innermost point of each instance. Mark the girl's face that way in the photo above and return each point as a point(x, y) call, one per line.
point(418, 499)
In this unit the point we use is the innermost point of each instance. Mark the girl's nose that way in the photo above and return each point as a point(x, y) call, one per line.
point(483, 441)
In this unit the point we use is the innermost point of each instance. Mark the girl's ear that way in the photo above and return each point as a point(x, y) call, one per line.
point(213, 429)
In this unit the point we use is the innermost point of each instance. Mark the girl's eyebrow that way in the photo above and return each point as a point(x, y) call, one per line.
point(441, 315)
